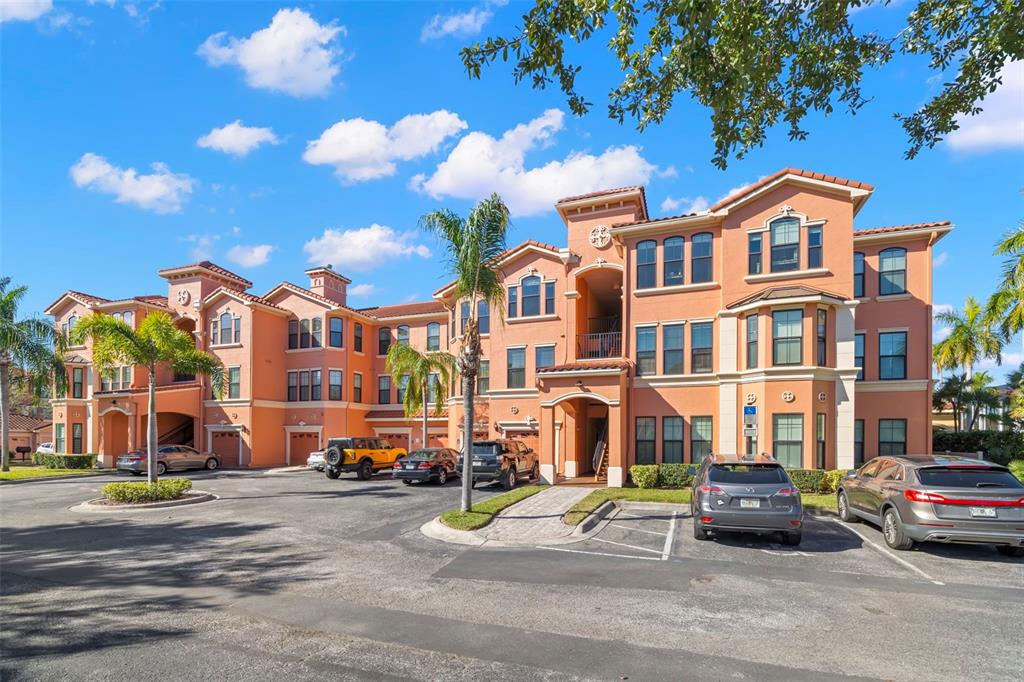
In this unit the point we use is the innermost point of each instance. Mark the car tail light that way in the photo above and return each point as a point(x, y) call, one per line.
point(788, 491)
point(935, 498)
point(706, 519)
point(794, 523)
point(398, 465)
point(425, 465)
point(710, 489)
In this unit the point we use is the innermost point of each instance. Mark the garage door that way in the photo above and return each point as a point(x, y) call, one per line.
point(225, 445)
point(397, 440)
point(300, 445)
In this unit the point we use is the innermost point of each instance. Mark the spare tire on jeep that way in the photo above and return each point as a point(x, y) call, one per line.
point(334, 455)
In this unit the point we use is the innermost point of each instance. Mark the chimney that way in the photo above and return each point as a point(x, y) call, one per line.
point(325, 282)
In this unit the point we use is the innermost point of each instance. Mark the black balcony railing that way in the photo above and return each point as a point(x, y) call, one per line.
point(596, 346)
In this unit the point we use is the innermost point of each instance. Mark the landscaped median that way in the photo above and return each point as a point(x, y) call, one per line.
point(142, 496)
point(49, 465)
point(481, 513)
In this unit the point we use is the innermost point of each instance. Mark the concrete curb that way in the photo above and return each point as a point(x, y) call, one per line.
point(91, 506)
point(297, 469)
point(435, 530)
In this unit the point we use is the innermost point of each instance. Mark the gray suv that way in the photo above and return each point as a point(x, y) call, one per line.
point(749, 494)
point(937, 498)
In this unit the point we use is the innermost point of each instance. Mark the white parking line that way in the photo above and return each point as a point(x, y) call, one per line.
point(639, 530)
point(886, 552)
point(622, 544)
point(667, 549)
point(617, 556)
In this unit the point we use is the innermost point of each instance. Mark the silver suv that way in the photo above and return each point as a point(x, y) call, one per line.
point(937, 498)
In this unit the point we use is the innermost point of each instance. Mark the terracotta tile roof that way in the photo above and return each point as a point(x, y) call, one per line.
point(83, 297)
point(599, 193)
point(775, 293)
point(583, 366)
point(19, 422)
point(788, 171)
point(306, 292)
point(901, 228)
point(153, 299)
point(212, 267)
point(658, 220)
point(253, 299)
point(405, 309)
point(509, 252)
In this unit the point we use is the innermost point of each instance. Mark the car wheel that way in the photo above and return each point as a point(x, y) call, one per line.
point(1008, 550)
point(791, 539)
point(135, 473)
point(212, 463)
point(535, 472)
point(442, 476)
point(509, 480)
point(844, 507)
point(406, 481)
point(892, 531)
point(161, 468)
point(365, 471)
point(698, 532)
point(332, 473)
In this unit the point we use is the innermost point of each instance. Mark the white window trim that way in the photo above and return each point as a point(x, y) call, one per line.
point(882, 298)
point(788, 274)
point(531, 318)
point(677, 288)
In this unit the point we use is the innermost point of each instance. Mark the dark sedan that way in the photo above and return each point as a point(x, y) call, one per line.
point(429, 464)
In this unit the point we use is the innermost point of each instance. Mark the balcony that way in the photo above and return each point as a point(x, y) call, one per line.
point(599, 346)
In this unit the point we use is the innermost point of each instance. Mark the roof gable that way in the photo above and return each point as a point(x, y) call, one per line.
point(859, 191)
point(510, 255)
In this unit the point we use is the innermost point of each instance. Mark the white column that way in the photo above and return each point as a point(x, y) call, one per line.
point(727, 390)
point(845, 386)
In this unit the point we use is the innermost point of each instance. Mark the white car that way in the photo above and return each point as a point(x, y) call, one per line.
point(315, 461)
point(45, 449)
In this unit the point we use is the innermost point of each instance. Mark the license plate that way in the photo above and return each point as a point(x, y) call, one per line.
point(478, 461)
point(983, 512)
point(410, 466)
point(749, 504)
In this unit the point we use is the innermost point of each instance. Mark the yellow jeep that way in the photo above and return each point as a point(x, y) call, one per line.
point(361, 455)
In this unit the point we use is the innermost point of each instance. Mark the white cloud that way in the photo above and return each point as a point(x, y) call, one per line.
point(363, 150)
point(162, 191)
point(361, 290)
point(202, 245)
point(363, 248)
point(940, 259)
point(294, 54)
point(1000, 125)
point(460, 24)
point(941, 333)
point(1011, 361)
point(942, 308)
point(480, 164)
point(237, 139)
point(250, 256)
point(23, 10)
point(685, 205)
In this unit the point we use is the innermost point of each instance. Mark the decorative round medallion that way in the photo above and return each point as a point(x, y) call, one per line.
point(183, 296)
point(822, 396)
point(788, 396)
point(514, 410)
point(751, 398)
point(600, 236)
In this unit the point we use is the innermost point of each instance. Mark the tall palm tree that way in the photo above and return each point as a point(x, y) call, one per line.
point(156, 342)
point(971, 338)
point(34, 349)
point(474, 245)
point(1005, 307)
point(420, 369)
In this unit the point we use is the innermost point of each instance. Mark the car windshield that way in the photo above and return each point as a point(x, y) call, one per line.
point(423, 454)
point(343, 443)
point(968, 478)
point(485, 448)
point(738, 473)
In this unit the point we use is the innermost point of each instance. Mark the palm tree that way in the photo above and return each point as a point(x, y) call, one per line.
point(405, 363)
point(34, 349)
point(971, 338)
point(980, 398)
point(157, 341)
point(474, 245)
point(1005, 307)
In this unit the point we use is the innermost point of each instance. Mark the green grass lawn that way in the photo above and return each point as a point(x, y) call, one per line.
point(818, 501)
point(19, 472)
point(482, 512)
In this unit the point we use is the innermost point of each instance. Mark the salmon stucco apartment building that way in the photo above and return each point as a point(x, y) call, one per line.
point(765, 323)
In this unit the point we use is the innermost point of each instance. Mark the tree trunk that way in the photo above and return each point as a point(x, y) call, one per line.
point(467, 442)
point(5, 414)
point(426, 407)
point(151, 445)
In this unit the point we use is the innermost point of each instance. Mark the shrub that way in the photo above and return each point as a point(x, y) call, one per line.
point(1001, 447)
point(136, 493)
point(833, 479)
point(1017, 467)
point(64, 461)
point(675, 475)
point(809, 480)
point(644, 475)
point(37, 458)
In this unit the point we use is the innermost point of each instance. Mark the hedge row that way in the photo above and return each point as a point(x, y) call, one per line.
point(54, 461)
point(135, 493)
point(681, 476)
point(1001, 447)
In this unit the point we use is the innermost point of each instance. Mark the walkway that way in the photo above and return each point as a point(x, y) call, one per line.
point(536, 519)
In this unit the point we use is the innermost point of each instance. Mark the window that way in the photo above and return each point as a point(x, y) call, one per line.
point(304, 335)
point(892, 272)
point(513, 301)
point(234, 382)
point(819, 434)
point(785, 245)
point(293, 334)
point(383, 340)
point(892, 355)
point(293, 386)
point(700, 438)
point(531, 296)
point(858, 275)
point(401, 388)
point(858, 355)
point(337, 332)
point(483, 317)
point(357, 341)
point(303, 386)
point(463, 316)
point(238, 330)
point(317, 334)
point(58, 437)
point(76, 439)
point(672, 274)
point(315, 384)
point(858, 443)
point(544, 356)
point(814, 247)
point(822, 338)
point(77, 382)
point(516, 368)
point(788, 435)
point(483, 378)
point(549, 298)
point(672, 349)
point(700, 258)
point(403, 334)
point(434, 336)
point(754, 260)
point(225, 328)
point(646, 261)
point(751, 341)
point(892, 437)
point(645, 439)
point(646, 351)
point(335, 379)
point(672, 440)
point(357, 388)
point(700, 348)
point(126, 377)
point(214, 333)
point(384, 389)
point(787, 341)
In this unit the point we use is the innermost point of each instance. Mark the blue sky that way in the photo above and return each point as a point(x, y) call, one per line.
point(268, 137)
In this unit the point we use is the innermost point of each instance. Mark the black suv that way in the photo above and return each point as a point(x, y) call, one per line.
point(503, 460)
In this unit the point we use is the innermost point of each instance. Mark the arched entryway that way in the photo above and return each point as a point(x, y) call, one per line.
point(581, 438)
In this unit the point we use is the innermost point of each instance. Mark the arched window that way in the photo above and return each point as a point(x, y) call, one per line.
point(892, 272)
point(434, 336)
point(700, 258)
point(403, 334)
point(128, 318)
point(785, 245)
point(646, 264)
point(858, 274)
point(531, 296)
point(673, 267)
point(383, 340)
point(225, 328)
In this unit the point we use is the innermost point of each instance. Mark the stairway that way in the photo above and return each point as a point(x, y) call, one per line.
point(602, 471)
point(601, 455)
